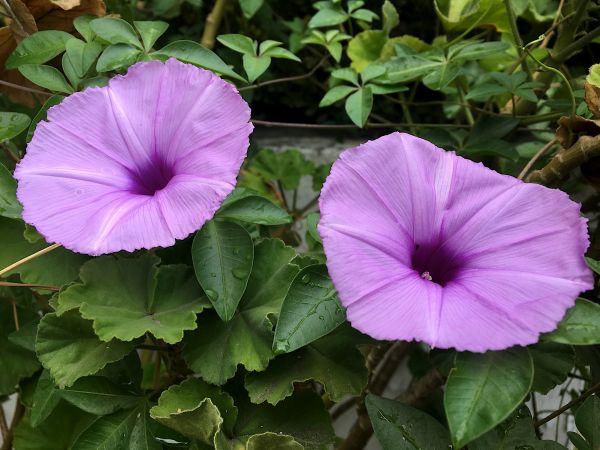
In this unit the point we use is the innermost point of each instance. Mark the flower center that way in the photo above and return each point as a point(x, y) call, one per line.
point(151, 178)
point(435, 263)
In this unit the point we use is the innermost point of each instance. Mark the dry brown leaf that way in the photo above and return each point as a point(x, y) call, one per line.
point(580, 126)
point(24, 24)
point(66, 4)
point(47, 15)
point(592, 98)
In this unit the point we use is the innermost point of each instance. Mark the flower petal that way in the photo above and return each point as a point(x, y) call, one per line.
point(137, 164)
point(506, 258)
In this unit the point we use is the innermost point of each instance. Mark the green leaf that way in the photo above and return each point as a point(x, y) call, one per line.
point(47, 77)
point(57, 432)
point(580, 326)
point(476, 50)
point(442, 76)
point(587, 420)
point(327, 18)
point(216, 348)
point(594, 265)
point(150, 31)
point(311, 222)
point(302, 416)
point(117, 56)
point(358, 106)
point(248, 206)
point(100, 396)
point(272, 441)
point(366, 47)
point(255, 66)
point(250, 7)
point(391, 19)
point(333, 361)
point(108, 432)
point(471, 398)
point(223, 253)
point(69, 349)
point(402, 427)
point(12, 124)
point(126, 298)
point(593, 76)
point(485, 91)
point(82, 25)
point(458, 15)
point(42, 114)
point(346, 74)
point(16, 362)
point(365, 15)
point(288, 167)
point(239, 43)
point(193, 53)
point(45, 399)
point(335, 94)
point(38, 48)
point(9, 205)
point(278, 52)
point(552, 364)
point(311, 310)
point(196, 410)
point(115, 31)
point(516, 432)
point(55, 268)
point(80, 57)
point(142, 435)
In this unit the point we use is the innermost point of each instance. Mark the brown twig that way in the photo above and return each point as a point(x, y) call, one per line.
point(286, 79)
point(318, 126)
point(18, 414)
point(361, 431)
point(535, 158)
point(565, 161)
point(23, 88)
point(213, 21)
point(3, 423)
point(46, 287)
point(566, 407)
point(15, 314)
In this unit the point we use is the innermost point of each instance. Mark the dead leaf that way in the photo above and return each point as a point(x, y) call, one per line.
point(592, 98)
point(66, 4)
point(24, 24)
point(580, 126)
point(46, 15)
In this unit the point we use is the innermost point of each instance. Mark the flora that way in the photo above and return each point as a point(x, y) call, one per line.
point(423, 244)
point(174, 275)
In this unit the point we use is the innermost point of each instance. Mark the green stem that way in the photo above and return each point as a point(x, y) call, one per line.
point(467, 110)
point(512, 20)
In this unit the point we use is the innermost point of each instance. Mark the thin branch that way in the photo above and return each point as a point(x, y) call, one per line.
point(573, 48)
point(3, 423)
point(535, 158)
point(317, 126)
point(512, 20)
point(17, 415)
point(15, 314)
point(46, 287)
point(566, 407)
point(340, 408)
point(213, 21)
point(565, 161)
point(29, 258)
point(361, 431)
point(286, 79)
point(23, 88)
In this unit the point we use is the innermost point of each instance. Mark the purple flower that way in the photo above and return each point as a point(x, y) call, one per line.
point(422, 244)
point(137, 164)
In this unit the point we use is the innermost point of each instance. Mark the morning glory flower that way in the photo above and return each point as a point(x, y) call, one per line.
point(136, 164)
point(424, 245)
